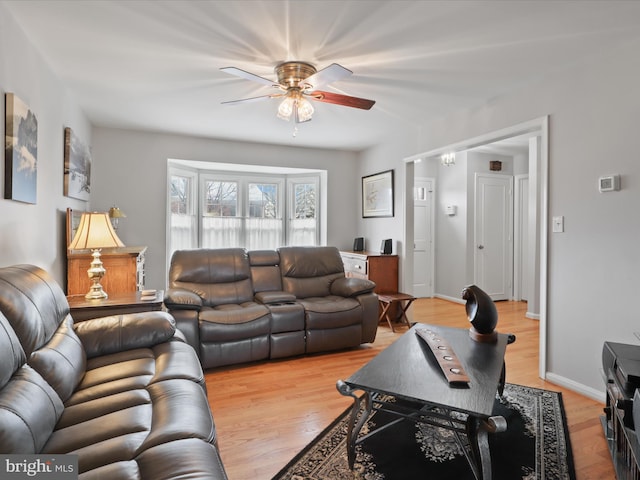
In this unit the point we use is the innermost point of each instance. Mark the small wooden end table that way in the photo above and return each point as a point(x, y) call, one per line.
point(116, 304)
point(387, 300)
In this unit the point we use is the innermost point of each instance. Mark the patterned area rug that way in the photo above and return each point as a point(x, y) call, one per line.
point(535, 446)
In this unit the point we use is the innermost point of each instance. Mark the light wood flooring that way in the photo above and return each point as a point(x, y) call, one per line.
point(267, 412)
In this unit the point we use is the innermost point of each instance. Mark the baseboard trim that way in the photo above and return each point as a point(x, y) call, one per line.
point(580, 388)
point(450, 299)
point(532, 316)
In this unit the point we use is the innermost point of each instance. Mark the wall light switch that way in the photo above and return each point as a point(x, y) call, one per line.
point(558, 224)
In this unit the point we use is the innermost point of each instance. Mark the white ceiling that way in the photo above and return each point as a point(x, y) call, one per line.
point(155, 65)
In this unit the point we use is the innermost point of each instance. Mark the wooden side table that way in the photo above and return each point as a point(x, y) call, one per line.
point(116, 304)
point(387, 300)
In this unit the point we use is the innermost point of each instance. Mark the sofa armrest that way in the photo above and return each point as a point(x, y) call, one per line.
point(106, 335)
point(351, 287)
point(274, 297)
point(179, 299)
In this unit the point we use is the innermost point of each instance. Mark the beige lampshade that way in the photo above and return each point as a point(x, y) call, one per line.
point(95, 231)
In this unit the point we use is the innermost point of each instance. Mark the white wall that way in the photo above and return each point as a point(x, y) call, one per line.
point(452, 231)
point(593, 266)
point(36, 233)
point(388, 155)
point(131, 171)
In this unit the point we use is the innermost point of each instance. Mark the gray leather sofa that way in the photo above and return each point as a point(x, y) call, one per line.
point(236, 306)
point(124, 393)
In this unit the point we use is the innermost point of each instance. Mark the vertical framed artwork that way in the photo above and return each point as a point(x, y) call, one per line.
point(20, 151)
point(77, 167)
point(377, 195)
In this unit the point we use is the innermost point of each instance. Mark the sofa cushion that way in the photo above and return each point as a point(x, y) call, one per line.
point(102, 336)
point(12, 356)
point(187, 458)
point(234, 323)
point(331, 312)
point(231, 314)
point(218, 276)
point(29, 411)
point(62, 361)
point(265, 272)
point(132, 401)
point(33, 303)
point(309, 271)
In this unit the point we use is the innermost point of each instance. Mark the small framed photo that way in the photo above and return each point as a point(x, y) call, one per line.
point(377, 195)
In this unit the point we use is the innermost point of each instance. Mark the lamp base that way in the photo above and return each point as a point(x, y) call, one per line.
point(96, 293)
point(96, 272)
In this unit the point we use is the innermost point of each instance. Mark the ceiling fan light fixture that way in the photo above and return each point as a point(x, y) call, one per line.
point(286, 108)
point(304, 110)
point(298, 106)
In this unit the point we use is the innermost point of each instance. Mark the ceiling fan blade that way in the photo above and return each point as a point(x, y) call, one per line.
point(332, 73)
point(249, 76)
point(253, 99)
point(344, 100)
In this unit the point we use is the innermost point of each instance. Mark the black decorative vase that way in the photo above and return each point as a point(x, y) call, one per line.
point(482, 313)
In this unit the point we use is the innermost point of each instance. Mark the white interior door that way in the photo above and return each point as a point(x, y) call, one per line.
point(423, 237)
point(494, 235)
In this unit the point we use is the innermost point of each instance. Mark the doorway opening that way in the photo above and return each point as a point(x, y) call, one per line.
point(457, 232)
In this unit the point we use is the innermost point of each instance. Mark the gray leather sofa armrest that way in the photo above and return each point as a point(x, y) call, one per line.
point(179, 299)
point(106, 335)
point(274, 297)
point(351, 287)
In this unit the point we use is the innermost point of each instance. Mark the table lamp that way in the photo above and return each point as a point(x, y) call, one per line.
point(95, 232)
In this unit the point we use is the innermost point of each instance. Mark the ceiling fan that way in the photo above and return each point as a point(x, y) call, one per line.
point(298, 82)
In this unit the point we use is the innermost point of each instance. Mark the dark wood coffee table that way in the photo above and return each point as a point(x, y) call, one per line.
point(409, 370)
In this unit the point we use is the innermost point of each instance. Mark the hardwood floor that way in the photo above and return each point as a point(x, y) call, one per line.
point(267, 412)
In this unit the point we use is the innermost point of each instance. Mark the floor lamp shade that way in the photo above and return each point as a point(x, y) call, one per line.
point(95, 232)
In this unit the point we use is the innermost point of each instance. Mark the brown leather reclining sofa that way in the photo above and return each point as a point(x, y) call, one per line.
point(236, 306)
point(125, 393)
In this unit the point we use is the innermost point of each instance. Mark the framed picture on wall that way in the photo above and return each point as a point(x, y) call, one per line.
point(77, 167)
point(377, 195)
point(21, 151)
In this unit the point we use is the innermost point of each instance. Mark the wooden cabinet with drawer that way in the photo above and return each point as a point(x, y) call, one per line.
point(381, 269)
point(125, 270)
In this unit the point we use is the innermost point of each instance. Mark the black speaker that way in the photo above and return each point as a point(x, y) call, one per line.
point(385, 248)
point(358, 244)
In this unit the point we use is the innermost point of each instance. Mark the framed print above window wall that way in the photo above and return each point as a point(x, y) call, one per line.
point(21, 151)
point(77, 167)
point(377, 195)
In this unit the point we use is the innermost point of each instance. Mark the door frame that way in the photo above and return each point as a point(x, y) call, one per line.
point(520, 206)
point(539, 126)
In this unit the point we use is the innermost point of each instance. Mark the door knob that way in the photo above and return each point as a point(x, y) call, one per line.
point(480, 247)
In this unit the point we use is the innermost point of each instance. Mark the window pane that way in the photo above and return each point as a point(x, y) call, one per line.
point(305, 201)
point(183, 225)
point(221, 199)
point(263, 200)
point(180, 188)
